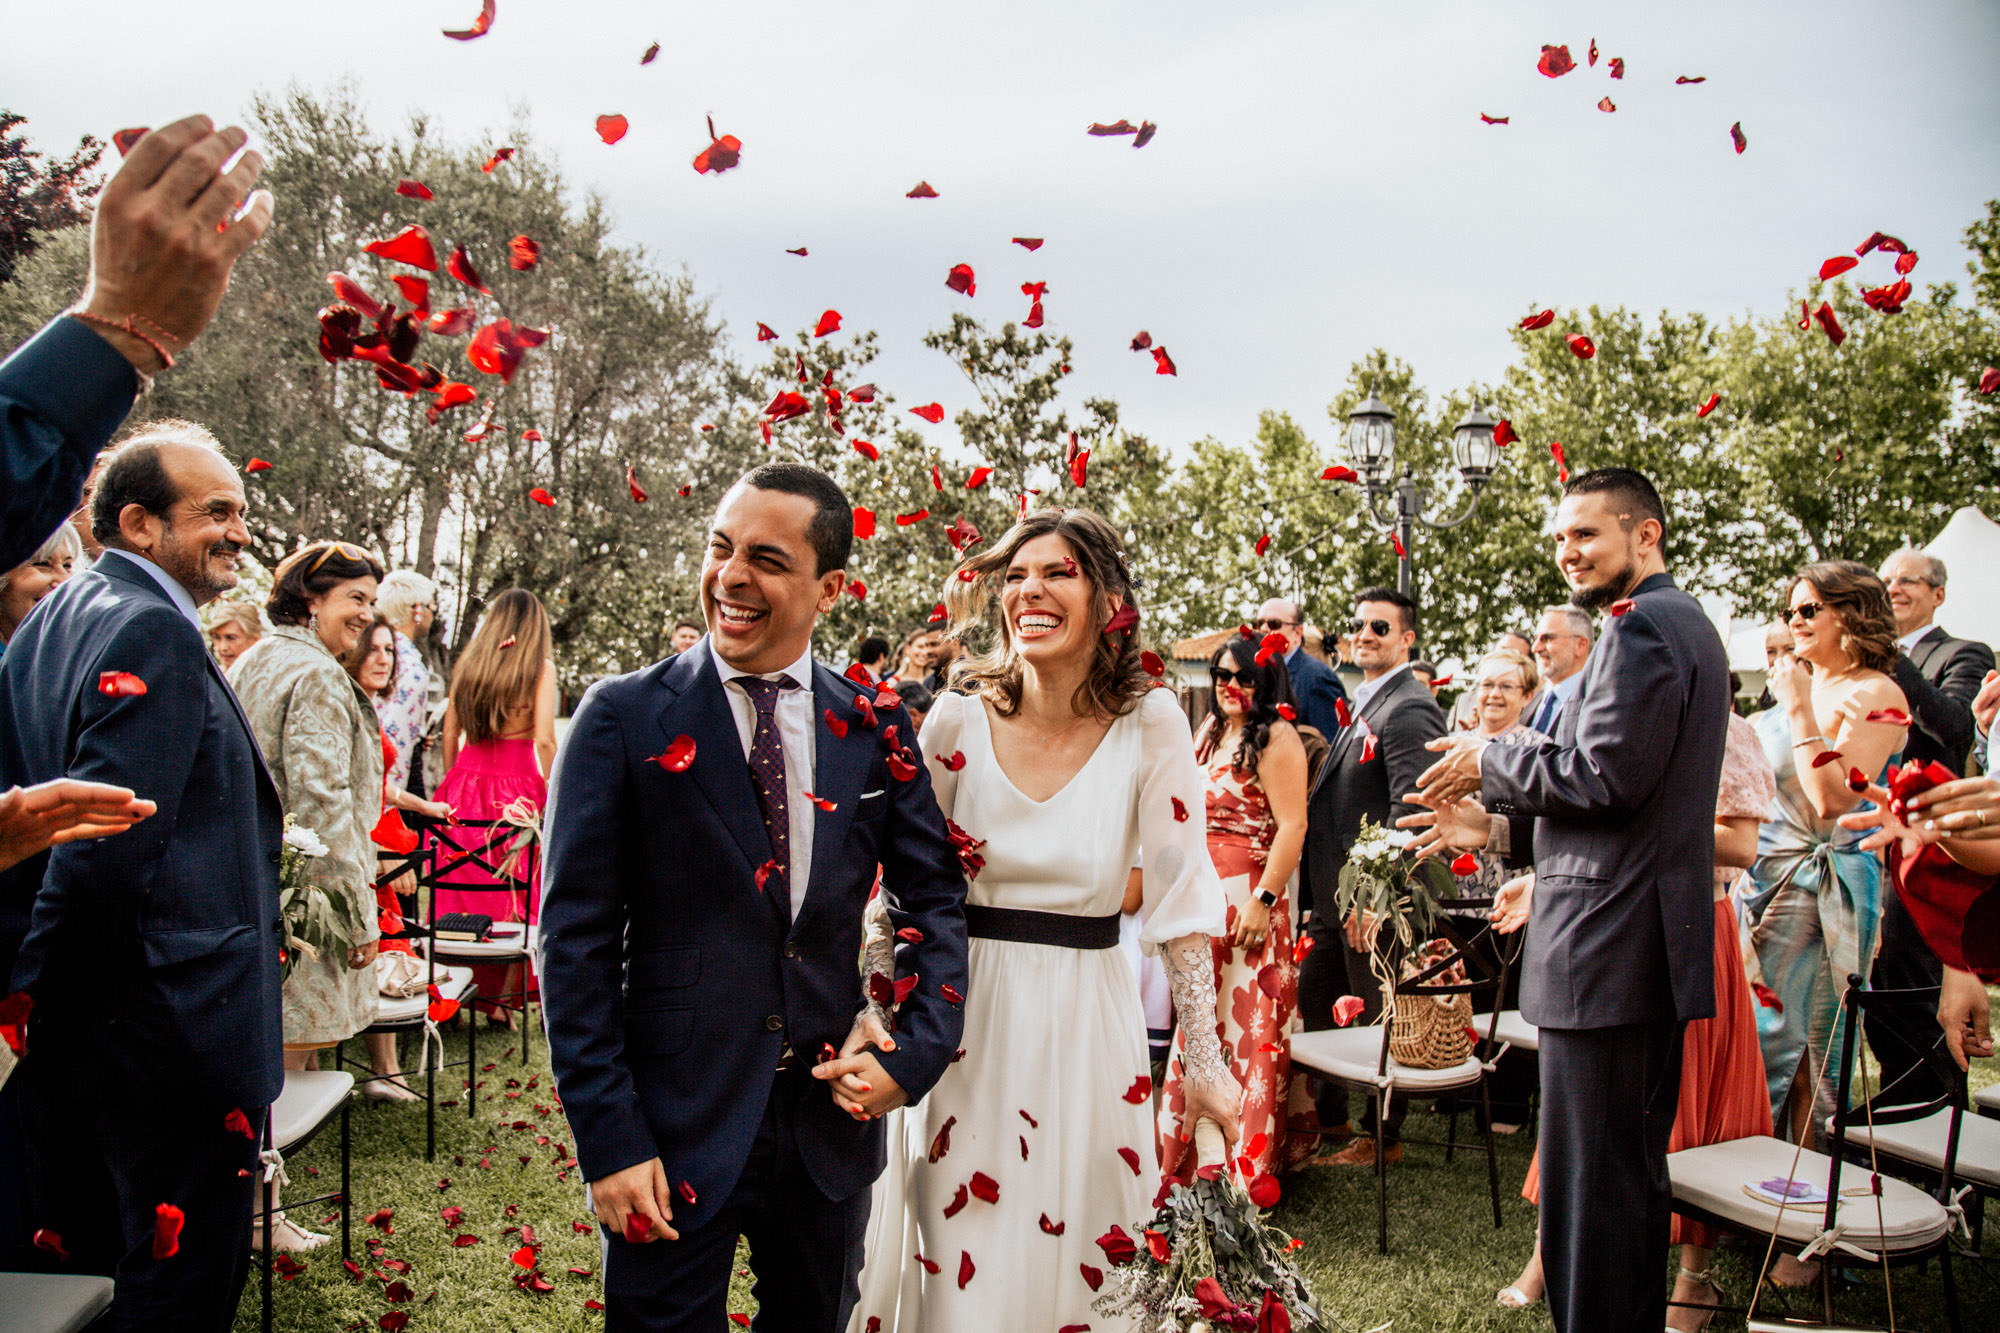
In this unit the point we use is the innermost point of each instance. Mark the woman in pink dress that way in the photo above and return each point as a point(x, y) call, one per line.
point(499, 739)
point(1256, 817)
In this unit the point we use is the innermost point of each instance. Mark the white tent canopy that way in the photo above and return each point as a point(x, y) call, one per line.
point(1970, 549)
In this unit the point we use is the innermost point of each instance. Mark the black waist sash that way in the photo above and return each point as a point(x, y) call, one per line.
point(1058, 929)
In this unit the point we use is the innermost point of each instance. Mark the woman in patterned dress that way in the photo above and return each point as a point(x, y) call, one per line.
point(1256, 814)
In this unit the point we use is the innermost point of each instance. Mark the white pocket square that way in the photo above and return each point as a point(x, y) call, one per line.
point(867, 794)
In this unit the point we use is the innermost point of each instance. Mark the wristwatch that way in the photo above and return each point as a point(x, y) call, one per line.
point(1266, 897)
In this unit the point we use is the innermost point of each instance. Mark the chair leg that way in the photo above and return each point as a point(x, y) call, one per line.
point(1950, 1287)
point(1451, 1133)
point(346, 1179)
point(431, 1099)
point(264, 1259)
point(1381, 1174)
point(471, 1066)
point(1492, 1156)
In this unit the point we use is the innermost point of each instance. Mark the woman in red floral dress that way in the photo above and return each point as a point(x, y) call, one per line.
point(1256, 765)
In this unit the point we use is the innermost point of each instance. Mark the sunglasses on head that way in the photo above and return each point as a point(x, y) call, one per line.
point(345, 550)
point(1805, 611)
point(1224, 676)
point(1380, 628)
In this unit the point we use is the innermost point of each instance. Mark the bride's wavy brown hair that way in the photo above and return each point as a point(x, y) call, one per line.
point(1115, 682)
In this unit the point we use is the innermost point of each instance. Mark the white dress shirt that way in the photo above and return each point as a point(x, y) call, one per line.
point(1366, 691)
point(1909, 641)
point(796, 736)
point(169, 585)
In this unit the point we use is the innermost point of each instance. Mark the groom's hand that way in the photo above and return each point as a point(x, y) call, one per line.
point(860, 1086)
point(636, 1203)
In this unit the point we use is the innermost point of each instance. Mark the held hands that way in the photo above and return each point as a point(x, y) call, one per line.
point(33, 819)
point(1967, 810)
point(1454, 777)
point(1964, 1016)
point(166, 238)
point(636, 1203)
point(1462, 826)
point(860, 1086)
point(1987, 703)
point(1512, 904)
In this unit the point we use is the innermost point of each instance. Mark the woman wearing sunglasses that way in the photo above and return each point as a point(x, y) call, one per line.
point(1814, 899)
point(1255, 801)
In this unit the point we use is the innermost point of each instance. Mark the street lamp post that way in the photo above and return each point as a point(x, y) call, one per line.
point(1371, 441)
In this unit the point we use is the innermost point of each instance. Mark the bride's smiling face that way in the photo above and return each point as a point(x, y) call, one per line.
point(1048, 602)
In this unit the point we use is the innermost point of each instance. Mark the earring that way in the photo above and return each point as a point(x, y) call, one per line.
point(312, 621)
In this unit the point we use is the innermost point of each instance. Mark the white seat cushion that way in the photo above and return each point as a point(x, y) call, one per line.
point(1986, 1101)
point(1923, 1142)
point(1353, 1054)
point(1712, 1178)
point(491, 950)
point(1515, 1030)
point(51, 1302)
point(309, 1097)
point(452, 983)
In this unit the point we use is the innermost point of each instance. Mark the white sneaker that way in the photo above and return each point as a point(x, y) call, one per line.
point(287, 1236)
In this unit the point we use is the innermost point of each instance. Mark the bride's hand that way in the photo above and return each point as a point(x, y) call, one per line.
point(1219, 1100)
point(859, 1084)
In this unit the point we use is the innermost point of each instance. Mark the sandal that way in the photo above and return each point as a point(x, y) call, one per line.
point(390, 1088)
point(287, 1236)
point(1513, 1298)
point(1715, 1289)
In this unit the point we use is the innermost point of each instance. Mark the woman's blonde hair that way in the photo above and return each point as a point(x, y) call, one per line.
point(1506, 659)
point(240, 614)
point(502, 665)
point(1115, 682)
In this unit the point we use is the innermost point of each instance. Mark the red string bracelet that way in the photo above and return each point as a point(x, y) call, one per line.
point(129, 325)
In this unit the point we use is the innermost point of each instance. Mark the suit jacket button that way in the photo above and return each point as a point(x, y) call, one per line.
point(791, 949)
point(277, 858)
point(775, 1023)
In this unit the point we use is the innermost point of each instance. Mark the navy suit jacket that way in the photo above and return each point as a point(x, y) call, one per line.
point(1941, 676)
point(1623, 926)
point(152, 955)
point(1318, 690)
point(62, 395)
point(671, 983)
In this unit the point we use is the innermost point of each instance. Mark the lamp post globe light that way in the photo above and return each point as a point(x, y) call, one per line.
point(1371, 443)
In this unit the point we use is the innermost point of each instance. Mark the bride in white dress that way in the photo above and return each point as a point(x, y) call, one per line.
point(1071, 768)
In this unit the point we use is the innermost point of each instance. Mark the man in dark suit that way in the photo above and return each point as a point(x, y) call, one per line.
point(151, 957)
point(1621, 939)
point(715, 829)
point(1940, 676)
point(1315, 684)
point(1374, 761)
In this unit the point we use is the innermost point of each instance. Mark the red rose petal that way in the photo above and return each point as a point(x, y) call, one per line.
point(828, 323)
point(1264, 1191)
point(1348, 1008)
point(1028, 242)
point(1340, 472)
point(1262, 545)
point(1555, 61)
point(120, 684)
point(1766, 997)
point(1837, 265)
point(1131, 1159)
point(1736, 137)
point(1989, 379)
point(1465, 863)
point(958, 1202)
point(523, 253)
point(499, 155)
point(931, 412)
point(1156, 1245)
point(1541, 321)
point(978, 478)
point(678, 755)
point(1618, 67)
point(238, 1123)
point(542, 497)
point(1830, 322)
point(961, 280)
point(612, 128)
point(1562, 463)
point(1606, 104)
point(167, 1223)
point(951, 994)
point(1623, 606)
point(1147, 129)
point(1271, 980)
point(864, 522)
point(52, 1241)
point(1152, 664)
point(127, 140)
point(1162, 363)
point(1581, 345)
point(1093, 1276)
point(411, 245)
point(1494, 120)
point(1117, 127)
point(1287, 712)
point(479, 25)
point(1709, 404)
point(1699, 78)
point(1141, 1089)
point(256, 465)
point(965, 1269)
point(1118, 1247)
point(985, 1187)
point(652, 54)
point(1906, 261)
point(921, 190)
point(1825, 757)
point(954, 761)
point(460, 267)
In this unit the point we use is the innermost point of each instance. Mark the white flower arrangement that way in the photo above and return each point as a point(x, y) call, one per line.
point(314, 921)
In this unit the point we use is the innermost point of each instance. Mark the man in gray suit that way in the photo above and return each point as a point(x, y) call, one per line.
point(1620, 947)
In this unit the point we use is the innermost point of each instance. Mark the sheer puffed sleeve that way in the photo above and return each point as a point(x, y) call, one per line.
point(944, 725)
point(1748, 789)
point(1182, 894)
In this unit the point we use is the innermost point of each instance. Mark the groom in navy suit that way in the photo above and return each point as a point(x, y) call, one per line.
point(715, 829)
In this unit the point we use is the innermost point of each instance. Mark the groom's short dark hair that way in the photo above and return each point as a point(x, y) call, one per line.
point(1624, 488)
point(831, 531)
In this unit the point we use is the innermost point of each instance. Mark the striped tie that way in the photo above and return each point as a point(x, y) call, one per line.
point(767, 771)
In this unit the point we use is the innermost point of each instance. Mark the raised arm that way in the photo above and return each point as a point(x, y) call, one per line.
point(545, 717)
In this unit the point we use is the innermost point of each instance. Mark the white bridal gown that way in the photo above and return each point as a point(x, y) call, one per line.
point(1055, 1038)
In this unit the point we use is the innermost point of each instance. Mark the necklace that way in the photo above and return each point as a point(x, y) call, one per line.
point(1048, 736)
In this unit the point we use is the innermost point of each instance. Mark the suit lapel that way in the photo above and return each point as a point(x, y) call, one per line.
point(841, 765)
point(1350, 735)
point(1924, 649)
point(698, 710)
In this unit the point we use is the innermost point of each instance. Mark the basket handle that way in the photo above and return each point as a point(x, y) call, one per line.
point(1209, 1148)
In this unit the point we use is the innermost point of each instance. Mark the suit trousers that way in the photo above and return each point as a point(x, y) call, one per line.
point(805, 1249)
point(1609, 1097)
point(1331, 970)
point(1905, 962)
point(98, 1169)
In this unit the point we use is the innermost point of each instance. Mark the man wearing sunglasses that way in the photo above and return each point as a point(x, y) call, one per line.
point(1315, 684)
point(1375, 760)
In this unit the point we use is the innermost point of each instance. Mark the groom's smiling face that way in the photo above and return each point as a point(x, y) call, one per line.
point(759, 587)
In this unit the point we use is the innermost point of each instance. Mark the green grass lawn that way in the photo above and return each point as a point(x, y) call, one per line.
point(1445, 1263)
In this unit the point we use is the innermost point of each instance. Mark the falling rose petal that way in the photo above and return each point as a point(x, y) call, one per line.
point(451, 323)
point(800, 251)
point(857, 590)
point(1555, 61)
point(941, 1143)
point(1906, 261)
point(1117, 127)
point(1147, 129)
point(828, 323)
point(1830, 322)
point(1264, 1191)
point(1708, 404)
point(460, 267)
point(652, 54)
point(632, 482)
point(912, 518)
point(1141, 1089)
point(1766, 997)
point(1156, 1245)
point(127, 140)
point(938, 615)
point(1736, 137)
point(1593, 51)
point(1271, 980)
point(985, 1187)
point(958, 1202)
point(931, 412)
point(256, 465)
point(1141, 341)
point(1092, 1276)
point(866, 450)
point(1541, 321)
point(1162, 363)
point(1079, 468)
point(1895, 717)
point(900, 768)
point(921, 190)
point(1494, 120)
point(1562, 463)
point(120, 684)
point(1124, 618)
point(52, 1241)
point(1825, 757)
point(411, 245)
point(1270, 646)
point(821, 802)
point(1857, 781)
point(787, 405)
point(238, 1123)
point(961, 280)
point(1698, 78)
point(1262, 545)
point(1396, 545)
point(966, 1269)
point(523, 254)
point(677, 756)
point(765, 333)
point(1465, 864)
point(1989, 379)
point(1034, 317)
point(354, 294)
point(1348, 1008)
point(1118, 1247)
point(1606, 104)
point(1152, 664)
point(612, 128)
point(479, 26)
point(417, 291)
point(167, 1222)
point(499, 155)
point(1837, 265)
point(1618, 67)
point(1622, 607)
point(1581, 345)
point(1131, 1159)
point(1503, 433)
point(723, 152)
point(951, 994)
point(1028, 242)
point(1340, 472)
point(1287, 712)
point(861, 394)
point(542, 497)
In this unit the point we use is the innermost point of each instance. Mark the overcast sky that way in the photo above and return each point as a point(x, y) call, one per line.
point(1321, 183)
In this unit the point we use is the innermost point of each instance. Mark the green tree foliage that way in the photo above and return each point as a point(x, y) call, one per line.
point(40, 194)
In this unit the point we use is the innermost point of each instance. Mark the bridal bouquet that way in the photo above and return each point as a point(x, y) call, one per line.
point(1384, 883)
point(314, 920)
point(1208, 1261)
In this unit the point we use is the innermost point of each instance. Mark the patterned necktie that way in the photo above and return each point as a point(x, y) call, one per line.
point(1545, 714)
point(767, 771)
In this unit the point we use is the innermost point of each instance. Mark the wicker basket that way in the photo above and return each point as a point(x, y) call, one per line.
point(1431, 1031)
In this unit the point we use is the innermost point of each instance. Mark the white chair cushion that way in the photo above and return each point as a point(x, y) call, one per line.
point(308, 1098)
point(51, 1302)
point(452, 983)
point(1353, 1054)
point(1515, 1030)
point(490, 950)
point(1712, 1178)
point(1923, 1142)
point(1986, 1101)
